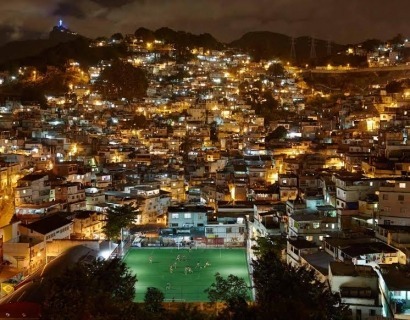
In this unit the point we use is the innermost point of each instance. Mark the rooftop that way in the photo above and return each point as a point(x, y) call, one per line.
point(349, 269)
point(48, 224)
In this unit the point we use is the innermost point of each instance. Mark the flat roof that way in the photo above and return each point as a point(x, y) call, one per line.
point(48, 224)
point(395, 277)
point(319, 260)
point(368, 248)
point(302, 243)
point(339, 268)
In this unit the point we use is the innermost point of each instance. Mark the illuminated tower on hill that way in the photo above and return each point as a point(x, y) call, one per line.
point(62, 34)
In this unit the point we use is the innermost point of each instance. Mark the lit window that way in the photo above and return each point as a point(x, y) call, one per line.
point(316, 225)
point(187, 215)
point(175, 216)
point(402, 185)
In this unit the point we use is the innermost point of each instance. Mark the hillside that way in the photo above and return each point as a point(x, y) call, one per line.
point(267, 45)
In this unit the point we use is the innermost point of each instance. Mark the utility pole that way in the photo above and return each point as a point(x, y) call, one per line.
point(292, 50)
point(329, 48)
point(312, 49)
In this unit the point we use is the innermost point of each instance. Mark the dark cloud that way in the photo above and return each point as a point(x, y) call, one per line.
point(343, 21)
point(114, 3)
point(69, 9)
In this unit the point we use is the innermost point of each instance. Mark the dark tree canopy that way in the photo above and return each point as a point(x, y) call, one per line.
point(286, 292)
point(153, 299)
point(125, 80)
point(98, 290)
point(394, 87)
point(117, 36)
point(276, 70)
point(279, 133)
point(145, 34)
point(232, 290)
point(118, 218)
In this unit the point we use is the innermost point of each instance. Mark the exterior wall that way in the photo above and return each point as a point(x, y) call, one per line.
point(186, 219)
point(25, 256)
point(312, 230)
point(36, 191)
point(361, 307)
point(60, 233)
point(232, 234)
point(89, 228)
point(92, 200)
point(394, 203)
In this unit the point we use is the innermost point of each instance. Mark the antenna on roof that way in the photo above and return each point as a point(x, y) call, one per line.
point(60, 23)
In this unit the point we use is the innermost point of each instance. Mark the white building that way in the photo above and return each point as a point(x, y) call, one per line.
point(358, 287)
point(394, 202)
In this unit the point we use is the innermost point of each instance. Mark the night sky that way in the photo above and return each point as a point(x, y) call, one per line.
point(343, 21)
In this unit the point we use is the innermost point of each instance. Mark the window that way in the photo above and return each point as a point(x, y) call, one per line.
point(187, 215)
point(316, 225)
point(402, 185)
point(400, 197)
point(228, 230)
point(174, 224)
point(209, 230)
point(175, 216)
point(241, 230)
point(385, 197)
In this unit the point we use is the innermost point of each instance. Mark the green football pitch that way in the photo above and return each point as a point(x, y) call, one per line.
point(152, 267)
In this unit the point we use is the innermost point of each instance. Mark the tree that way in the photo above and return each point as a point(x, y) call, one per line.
point(117, 37)
point(394, 87)
point(153, 299)
point(214, 131)
point(125, 80)
point(233, 291)
point(279, 133)
point(118, 218)
point(276, 70)
point(102, 289)
point(144, 34)
point(286, 292)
